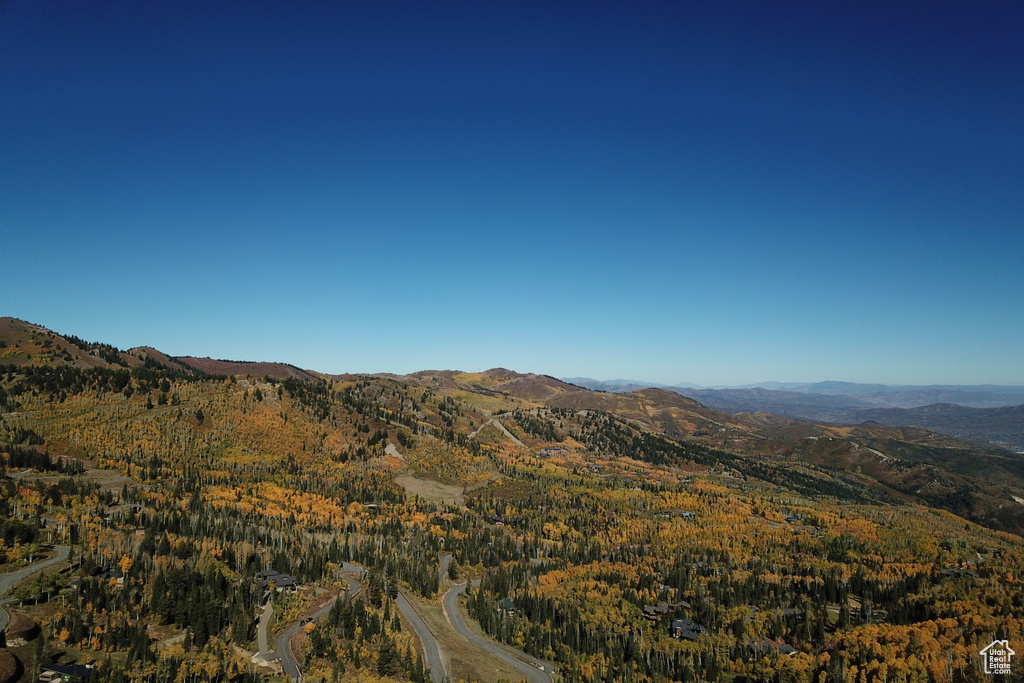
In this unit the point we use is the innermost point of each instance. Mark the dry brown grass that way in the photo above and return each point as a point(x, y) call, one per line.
point(8, 666)
point(430, 490)
point(466, 661)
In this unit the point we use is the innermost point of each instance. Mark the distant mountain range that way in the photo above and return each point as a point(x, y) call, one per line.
point(869, 461)
point(990, 413)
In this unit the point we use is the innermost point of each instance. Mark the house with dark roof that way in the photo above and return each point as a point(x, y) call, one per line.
point(282, 582)
point(110, 575)
point(686, 629)
point(655, 612)
point(66, 673)
point(764, 647)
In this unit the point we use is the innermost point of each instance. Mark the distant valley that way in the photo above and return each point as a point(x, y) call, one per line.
point(990, 413)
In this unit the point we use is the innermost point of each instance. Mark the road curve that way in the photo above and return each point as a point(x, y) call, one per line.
point(524, 663)
point(432, 655)
point(434, 660)
point(8, 580)
point(509, 435)
point(283, 650)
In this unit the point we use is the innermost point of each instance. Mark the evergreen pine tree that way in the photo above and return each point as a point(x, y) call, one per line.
point(387, 658)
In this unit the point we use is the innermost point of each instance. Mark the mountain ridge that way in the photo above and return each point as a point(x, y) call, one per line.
point(662, 426)
point(982, 414)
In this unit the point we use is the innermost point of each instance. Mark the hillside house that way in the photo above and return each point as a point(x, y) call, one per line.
point(764, 647)
point(281, 582)
point(686, 629)
point(66, 673)
point(654, 612)
point(106, 574)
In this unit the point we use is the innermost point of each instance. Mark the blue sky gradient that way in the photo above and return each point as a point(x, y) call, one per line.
point(717, 193)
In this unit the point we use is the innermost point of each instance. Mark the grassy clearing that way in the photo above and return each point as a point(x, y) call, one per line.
point(108, 480)
point(430, 490)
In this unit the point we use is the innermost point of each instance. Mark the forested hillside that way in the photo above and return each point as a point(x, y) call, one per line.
point(638, 537)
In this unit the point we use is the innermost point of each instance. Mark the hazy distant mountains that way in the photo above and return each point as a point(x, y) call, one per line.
point(618, 386)
point(881, 395)
point(989, 413)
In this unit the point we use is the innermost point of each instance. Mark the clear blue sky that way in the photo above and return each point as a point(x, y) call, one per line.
point(712, 192)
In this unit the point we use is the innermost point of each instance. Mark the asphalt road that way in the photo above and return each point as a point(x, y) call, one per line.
point(509, 435)
point(442, 570)
point(355, 569)
point(433, 658)
point(8, 580)
point(524, 663)
point(283, 650)
point(432, 655)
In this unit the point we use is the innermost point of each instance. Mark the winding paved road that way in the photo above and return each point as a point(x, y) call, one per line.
point(8, 580)
point(283, 650)
point(433, 657)
point(535, 670)
point(509, 435)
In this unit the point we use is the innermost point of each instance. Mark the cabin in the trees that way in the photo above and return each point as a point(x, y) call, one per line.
point(281, 582)
point(65, 672)
point(669, 514)
point(958, 572)
point(766, 646)
point(653, 612)
point(686, 629)
point(107, 574)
